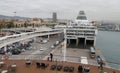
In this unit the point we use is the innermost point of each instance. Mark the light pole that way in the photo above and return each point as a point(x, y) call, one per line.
point(15, 20)
point(64, 49)
point(14, 13)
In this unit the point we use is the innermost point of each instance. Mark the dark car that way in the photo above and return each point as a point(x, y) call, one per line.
point(15, 51)
point(2, 52)
point(99, 59)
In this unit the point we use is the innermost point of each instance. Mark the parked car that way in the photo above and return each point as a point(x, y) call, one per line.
point(52, 46)
point(2, 52)
point(15, 51)
point(44, 41)
point(41, 49)
point(22, 50)
point(99, 59)
point(56, 43)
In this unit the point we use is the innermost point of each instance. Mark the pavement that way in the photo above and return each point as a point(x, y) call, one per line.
point(34, 51)
point(74, 55)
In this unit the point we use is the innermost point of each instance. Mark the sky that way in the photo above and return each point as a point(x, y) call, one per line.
point(65, 9)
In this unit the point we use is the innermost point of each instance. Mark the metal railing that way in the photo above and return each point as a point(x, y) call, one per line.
point(45, 56)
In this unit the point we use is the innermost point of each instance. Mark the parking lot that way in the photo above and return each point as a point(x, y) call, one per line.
point(38, 50)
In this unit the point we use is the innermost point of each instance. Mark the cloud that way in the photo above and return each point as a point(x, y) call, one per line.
point(95, 9)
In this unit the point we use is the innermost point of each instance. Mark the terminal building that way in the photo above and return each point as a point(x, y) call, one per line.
point(81, 33)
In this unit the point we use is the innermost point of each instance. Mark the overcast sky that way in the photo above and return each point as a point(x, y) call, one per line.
point(66, 9)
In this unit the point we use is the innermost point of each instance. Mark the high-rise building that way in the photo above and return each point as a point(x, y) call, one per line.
point(54, 16)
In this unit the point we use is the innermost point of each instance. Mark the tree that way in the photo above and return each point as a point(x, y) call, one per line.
point(33, 25)
point(22, 25)
point(10, 25)
point(25, 24)
point(1, 26)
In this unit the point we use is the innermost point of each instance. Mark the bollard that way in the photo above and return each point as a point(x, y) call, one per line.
point(48, 59)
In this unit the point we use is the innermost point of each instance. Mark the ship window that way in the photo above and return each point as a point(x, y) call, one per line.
point(82, 17)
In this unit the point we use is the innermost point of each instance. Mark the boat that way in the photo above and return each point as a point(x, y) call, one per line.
point(81, 32)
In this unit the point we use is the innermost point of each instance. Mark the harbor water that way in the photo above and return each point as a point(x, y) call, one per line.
point(109, 44)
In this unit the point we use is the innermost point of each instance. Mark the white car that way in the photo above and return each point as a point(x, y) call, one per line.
point(57, 42)
point(23, 50)
point(52, 46)
point(41, 49)
point(44, 41)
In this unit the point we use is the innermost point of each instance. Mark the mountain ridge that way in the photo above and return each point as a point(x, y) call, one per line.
point(12, 17)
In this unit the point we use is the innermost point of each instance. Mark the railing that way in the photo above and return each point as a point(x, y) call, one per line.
point(38, 57)
point(114, 65)
point(26, 36)
point(45, 56)
point(29, 33)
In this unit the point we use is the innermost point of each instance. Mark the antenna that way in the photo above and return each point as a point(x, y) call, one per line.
point(15, 13)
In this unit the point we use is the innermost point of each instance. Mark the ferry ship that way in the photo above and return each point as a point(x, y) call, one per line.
point(81, 32)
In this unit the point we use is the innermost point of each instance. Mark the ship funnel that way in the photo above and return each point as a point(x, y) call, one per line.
point(81, 16)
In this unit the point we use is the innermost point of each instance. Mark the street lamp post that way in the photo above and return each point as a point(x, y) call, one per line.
point(64, 49)
point(15, 19)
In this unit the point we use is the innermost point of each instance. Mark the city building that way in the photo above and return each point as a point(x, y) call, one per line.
point(35, 21)
point(54, 16)
point(19, 23)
